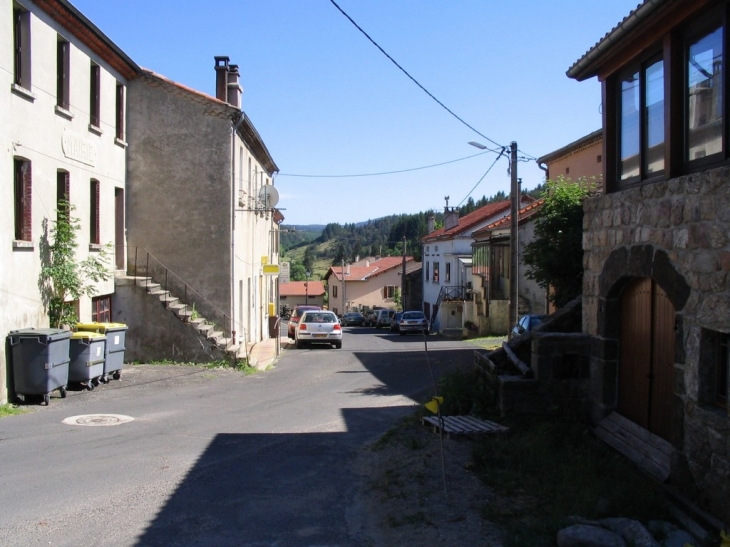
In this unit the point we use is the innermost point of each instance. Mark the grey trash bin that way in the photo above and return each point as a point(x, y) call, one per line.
point(115, 345)
point(87, 354)
point(40, 361)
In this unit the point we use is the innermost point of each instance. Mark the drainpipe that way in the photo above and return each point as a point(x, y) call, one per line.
point(234, 130)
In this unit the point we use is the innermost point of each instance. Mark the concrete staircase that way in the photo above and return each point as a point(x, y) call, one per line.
point(188, 315)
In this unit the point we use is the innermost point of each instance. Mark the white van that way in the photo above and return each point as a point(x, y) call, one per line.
point(383, 317)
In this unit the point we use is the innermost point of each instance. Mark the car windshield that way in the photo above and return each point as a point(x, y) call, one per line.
point(414, 315)
point(312, 317)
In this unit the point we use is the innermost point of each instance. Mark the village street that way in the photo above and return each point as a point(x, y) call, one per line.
point(214, 457)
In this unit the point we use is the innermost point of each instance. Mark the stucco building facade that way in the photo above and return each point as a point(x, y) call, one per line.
point(63, 133)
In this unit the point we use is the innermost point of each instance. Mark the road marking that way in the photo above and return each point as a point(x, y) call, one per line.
point(98, 419)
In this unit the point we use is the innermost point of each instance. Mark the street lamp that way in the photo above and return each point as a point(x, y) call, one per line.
point(306, 287)
point(514, 214)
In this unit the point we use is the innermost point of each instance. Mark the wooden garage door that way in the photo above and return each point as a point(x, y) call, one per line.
point(646, 366)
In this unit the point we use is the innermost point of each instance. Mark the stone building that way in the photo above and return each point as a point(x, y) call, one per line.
point(201, 220)
point(657, 244)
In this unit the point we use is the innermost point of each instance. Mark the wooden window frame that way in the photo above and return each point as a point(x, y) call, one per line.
point(63, 76)
point(436, 275)
point(120, 111)
point(94, 211)
point(21, 47)
point(23, 183)
point(101, 309)
point(63, 194)
point(95, 95)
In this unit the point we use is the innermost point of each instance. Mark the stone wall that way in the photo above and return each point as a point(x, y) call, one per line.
point(675, 232)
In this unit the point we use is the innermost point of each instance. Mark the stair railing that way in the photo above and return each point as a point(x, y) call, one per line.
point(173, 283)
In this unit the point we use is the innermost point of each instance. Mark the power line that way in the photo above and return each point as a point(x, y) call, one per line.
point(412, 78)
point(484, 175)
point(384, 172)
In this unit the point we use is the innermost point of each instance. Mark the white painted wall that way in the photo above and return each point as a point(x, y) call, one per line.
point(32, 129)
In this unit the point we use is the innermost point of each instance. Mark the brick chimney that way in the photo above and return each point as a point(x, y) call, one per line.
point(235, 91)
point(221, 78)
point(451, 217)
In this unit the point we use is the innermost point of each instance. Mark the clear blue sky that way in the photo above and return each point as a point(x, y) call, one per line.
point(326, 101)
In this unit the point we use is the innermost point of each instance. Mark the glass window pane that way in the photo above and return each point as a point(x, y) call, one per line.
point(630, 127)
point(704, 96)
point(654, 118)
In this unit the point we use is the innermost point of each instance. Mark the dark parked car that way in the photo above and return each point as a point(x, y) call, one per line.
point(526, 324)
point(353, 318)
point(413, 321)
point(394, 326)
point(294, 319)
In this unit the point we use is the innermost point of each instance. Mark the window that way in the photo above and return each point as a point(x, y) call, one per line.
point(435, 272)
point(641, 121)
point(388, 291)
point(334, 291)
point(94, 93)
point(94, 190)
point(427, 268)
point(101, 309)
point(21, 44)
point(62, 73)
point(704, 95)
point(447, 273)
point(63, 194)
point(120, 112)
point(23, 191)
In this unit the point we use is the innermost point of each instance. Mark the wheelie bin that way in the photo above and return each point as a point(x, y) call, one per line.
point(114, 348)
point(40, 361)
point(87, 355)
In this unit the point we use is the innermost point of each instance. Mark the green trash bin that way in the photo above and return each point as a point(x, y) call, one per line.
point(87, 355)
point(40, 361)
point(114, 349)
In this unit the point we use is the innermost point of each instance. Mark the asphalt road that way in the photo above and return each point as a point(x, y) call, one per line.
point(215, 457)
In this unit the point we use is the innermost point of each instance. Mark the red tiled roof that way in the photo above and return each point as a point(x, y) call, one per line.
point(299, 288)
point(524, 214)
point(367, 269)
point(468, 222)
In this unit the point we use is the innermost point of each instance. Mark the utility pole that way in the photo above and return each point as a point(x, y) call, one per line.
point(514, 251)
point(344, 294)
point(403, 278)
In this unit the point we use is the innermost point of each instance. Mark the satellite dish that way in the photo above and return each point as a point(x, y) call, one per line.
point(269, 196)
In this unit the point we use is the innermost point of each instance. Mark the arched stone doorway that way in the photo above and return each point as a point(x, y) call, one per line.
point(646, 356)
point(640, 315)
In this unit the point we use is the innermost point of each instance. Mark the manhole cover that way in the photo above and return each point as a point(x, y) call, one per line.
point(98, 419)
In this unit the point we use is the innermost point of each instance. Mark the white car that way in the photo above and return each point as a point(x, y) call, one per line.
point(413, 321)
point(318, 327)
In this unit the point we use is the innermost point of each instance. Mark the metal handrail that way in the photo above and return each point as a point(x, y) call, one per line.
point(174, 283)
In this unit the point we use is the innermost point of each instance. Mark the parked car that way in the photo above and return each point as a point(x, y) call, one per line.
point(318, 327)
point(353, 318)
point(394, 326)
point(413, 321)
point(294, 318)
point(526, 323)
point(383, 318)
point(370, 317)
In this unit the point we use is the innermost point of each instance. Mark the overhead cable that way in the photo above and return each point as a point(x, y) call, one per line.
point(413, 79)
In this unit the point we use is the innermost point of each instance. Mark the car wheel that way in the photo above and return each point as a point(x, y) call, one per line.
point(337, 345)
point(300, 344)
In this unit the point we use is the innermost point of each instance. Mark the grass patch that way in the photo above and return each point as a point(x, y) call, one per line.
point(11, 410)
point(401, 433)
point(240, 365)
point(547, 470)
point(487, 342)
